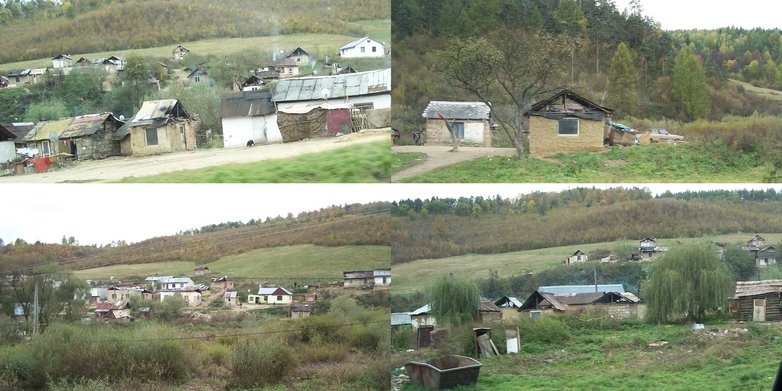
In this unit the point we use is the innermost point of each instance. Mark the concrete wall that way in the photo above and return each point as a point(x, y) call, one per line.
point(262, 130)
point(476, 133)
point(169, 139)
point(7, 151)
point(544, 139)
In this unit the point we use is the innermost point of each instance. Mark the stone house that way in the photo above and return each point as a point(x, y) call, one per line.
point(44, 135)
point(202, 271)
point(160, 126)
point(222, 283)
point(230, 298)
point(566, 122)
point(91, 136)
point(470, 121)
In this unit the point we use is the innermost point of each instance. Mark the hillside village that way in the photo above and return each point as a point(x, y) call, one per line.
point(282, 100)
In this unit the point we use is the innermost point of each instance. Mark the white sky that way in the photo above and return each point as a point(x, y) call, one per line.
point(712, 14)
point(101, 213)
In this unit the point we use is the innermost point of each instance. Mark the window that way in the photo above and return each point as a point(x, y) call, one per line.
point(18, 79)
point(279, 298)
point(290, 70)
point(181, 129)
point(363, 49)
point(298, 59)
point(45, 147)
point(458, 130)
point(197, 79)
point(113, 295)
point(151, 136)
point(568, 127)
point(374, 49)
point(363, 106)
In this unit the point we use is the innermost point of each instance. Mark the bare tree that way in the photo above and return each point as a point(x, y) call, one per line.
point(512, 66)
point(454, 140)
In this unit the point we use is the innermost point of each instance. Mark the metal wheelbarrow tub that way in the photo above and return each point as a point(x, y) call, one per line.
point(444, 372)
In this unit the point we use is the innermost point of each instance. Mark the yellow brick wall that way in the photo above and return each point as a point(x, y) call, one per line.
point(544, 139)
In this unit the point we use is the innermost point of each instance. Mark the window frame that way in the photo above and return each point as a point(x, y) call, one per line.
point(565, 120)
point(147, 140)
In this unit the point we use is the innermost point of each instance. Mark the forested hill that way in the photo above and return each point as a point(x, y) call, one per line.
point(356, 224)
point(439, 228)
point(640, 80)
point(43, 28)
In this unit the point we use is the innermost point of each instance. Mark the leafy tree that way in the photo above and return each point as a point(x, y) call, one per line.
point(689, 85)
point(571, 18)
point(510, 64)
point(440, 227)
point(454, 300)
point(687, 282)
point(47, 110)
point(740, 262)
point(68, 10)
point(169, 309)
point(201, 100)
point(622, 81)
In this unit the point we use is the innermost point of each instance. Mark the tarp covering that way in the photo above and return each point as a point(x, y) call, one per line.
point(595, 116)
point(300, 126)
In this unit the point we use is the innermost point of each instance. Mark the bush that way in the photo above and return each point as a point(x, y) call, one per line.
point(547, 329)
point(404, 339)
point(260, 362)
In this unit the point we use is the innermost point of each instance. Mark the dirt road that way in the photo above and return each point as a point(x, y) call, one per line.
point(441, 156)
point(116, 168)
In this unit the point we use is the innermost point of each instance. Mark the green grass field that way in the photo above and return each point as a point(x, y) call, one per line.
point(415, 276)
point(363, 163)
point(615, 356)
point(301, 261)
point(319, 45)
point(402, 161)
point(683, 163)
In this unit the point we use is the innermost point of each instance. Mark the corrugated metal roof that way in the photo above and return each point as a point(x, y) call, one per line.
point(400, 318)
point(457, 110)
point(246, 103)
point(87, 125)
point(582, 288)
point(48, 128)
point(488, 306)
point(751, 288)
point(423, 310)
point(338, 86)
point(508, 301)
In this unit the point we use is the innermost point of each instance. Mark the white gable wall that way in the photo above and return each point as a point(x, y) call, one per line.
point(7, 151)
point(356, 50)
point(262, 130)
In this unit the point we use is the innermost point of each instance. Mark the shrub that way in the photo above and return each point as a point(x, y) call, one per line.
point(404, 339)
point(260, 362)
point(547, 329)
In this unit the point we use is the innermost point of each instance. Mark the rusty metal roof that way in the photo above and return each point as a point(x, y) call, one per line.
point(87, 125)
point(246, 103)
point(338, 86)
point(751, 288)
point(488, 306)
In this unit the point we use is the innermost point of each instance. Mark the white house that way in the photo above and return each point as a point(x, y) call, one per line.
point(382, 278)
point(249, 115)
point(271, 296)
point(363, 90)
point(61, 61)
point(363, 47)
point(192, 297)
point(177, 283)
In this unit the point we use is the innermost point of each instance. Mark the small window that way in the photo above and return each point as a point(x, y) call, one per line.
point(298, 59)
point(290, 71)
point(182, 131)
point(45, 146)
point(279, 298)
point(374, 49)
point(363, 106)
point(197, 79)
point(363, 49)
point(151, 136)
point(458, 130)
point(568, 127)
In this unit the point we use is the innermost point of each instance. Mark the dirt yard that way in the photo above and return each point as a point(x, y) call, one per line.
point(116, 168)
point(441, 156)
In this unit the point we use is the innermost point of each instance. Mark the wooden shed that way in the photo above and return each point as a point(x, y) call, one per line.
point(758, 300)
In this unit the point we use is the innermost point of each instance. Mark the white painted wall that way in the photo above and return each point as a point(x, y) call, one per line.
point(7, 151)
point(262, 130)
point(473, 132)
point(355, 51)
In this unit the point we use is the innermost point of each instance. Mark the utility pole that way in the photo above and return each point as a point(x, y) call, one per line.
point(35, 307)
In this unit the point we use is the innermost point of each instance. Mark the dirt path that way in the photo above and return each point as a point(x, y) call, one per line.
point(116, 168)
point(441, 156)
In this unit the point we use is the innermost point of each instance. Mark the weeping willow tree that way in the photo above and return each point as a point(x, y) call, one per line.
point(688, 281)
point(454, 300)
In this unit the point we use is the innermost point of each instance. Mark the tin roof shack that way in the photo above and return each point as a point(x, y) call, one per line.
point(759, 301)
point(91, 137)
point(44, 136)
point(249, 115)
point(489, 312)
point(62, 61)
point(202, 271)
point(509, 306)
point(299, 311)
point(619, 305)
point(422, 317)
point(160, 126)
point(222, 283)
point(470, 121)
point(577, 257)
point(359, 279)
point(566, 122)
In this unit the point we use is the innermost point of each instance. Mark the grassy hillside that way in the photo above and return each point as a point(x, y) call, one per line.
point(415, 276)
point(272, 263)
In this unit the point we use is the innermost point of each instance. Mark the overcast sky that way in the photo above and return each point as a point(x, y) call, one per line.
point(101, 213)
point(712, 14)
